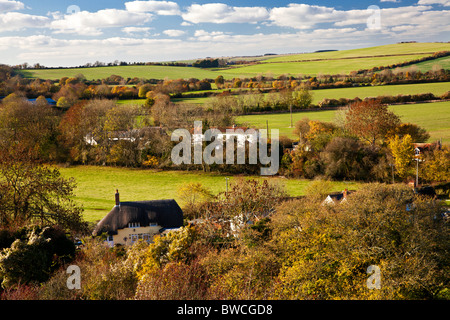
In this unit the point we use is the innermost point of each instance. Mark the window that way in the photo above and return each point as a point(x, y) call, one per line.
point(133, 238)
point(153, 224)
point(134, 225)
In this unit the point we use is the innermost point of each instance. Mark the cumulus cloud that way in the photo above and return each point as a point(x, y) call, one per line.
point(7, 5)
point(163, 8)
point(90, 23)
point(445, 3)
point(174, 33)
point(12, 21)
point(222, 13)
point(134, 30)
point(305, 16)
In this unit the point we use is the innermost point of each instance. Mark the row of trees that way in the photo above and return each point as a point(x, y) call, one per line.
point(282, 249)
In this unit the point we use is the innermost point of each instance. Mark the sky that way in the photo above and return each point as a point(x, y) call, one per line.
point(75, 32)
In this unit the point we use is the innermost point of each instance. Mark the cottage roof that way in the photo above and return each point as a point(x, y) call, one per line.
point(166, 213)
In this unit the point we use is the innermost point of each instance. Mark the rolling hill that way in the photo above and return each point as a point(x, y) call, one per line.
point(332, 62)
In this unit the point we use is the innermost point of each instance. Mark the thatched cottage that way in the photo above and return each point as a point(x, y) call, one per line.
point(128, 222)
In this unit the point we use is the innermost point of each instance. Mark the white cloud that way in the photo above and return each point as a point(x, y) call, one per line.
point(307, 17)
point(202, 35)
point(163, 8)
point(90, 23)
point(174, 33)
point(445, 3)
point(304, 16)
point(133, 30)
point(7, 5)
point(222, 13)
point(12, 21)
point(390, 0)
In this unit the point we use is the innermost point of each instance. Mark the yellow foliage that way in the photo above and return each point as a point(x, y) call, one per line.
point(151, 162)
point(403, 153)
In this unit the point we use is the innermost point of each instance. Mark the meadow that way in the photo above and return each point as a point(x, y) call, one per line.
point(147, 72)
point(437, 89)
point(96, 185)
point(335, 62)
point(391, 49)
point(314, 68)
point(434, 117)
point(443, 63)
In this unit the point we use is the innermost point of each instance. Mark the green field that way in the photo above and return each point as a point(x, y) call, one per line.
point(425, 66)
point(434, 117)
point(437, 89)
point(96, 186)
point(391, 49)
point(313, 68)
point(330, 63)
point(148, 72)
point(340, 62)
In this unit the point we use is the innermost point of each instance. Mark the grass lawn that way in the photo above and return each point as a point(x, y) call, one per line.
point(96, 185)
point(434, 117)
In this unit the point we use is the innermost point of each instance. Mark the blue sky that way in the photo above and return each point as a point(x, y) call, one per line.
point(74, 32)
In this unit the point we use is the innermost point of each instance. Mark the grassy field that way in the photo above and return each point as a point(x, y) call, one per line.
point(148, 72)
point(361, 92)
point(392, 49)
point(313, 68)
point(331, 63)
point(375, 91)
point(425, 66)
point(96, 186)
point(434, 117)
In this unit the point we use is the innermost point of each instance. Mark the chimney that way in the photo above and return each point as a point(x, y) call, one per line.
point(345, 192)
point(117, 198)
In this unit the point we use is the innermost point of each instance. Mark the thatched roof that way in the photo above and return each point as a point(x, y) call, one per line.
point(166, 213)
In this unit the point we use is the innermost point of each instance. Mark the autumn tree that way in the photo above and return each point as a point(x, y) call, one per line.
point(246, 201)
point(417, 133)
point(436, 166)
point(192, 195)
point(370, 120)
point(302, 98)
point(219, 81)
point(348, 158)
point(31, 193)
point(403, 152)
point(301, 128)
point(82, 131)
point(29, 126)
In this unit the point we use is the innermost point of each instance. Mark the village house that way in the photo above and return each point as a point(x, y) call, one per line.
point(129, 222)
point(337, 197)
point(420, 148)
point(130, 135)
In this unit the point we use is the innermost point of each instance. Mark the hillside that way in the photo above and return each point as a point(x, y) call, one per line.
point(333, 62)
